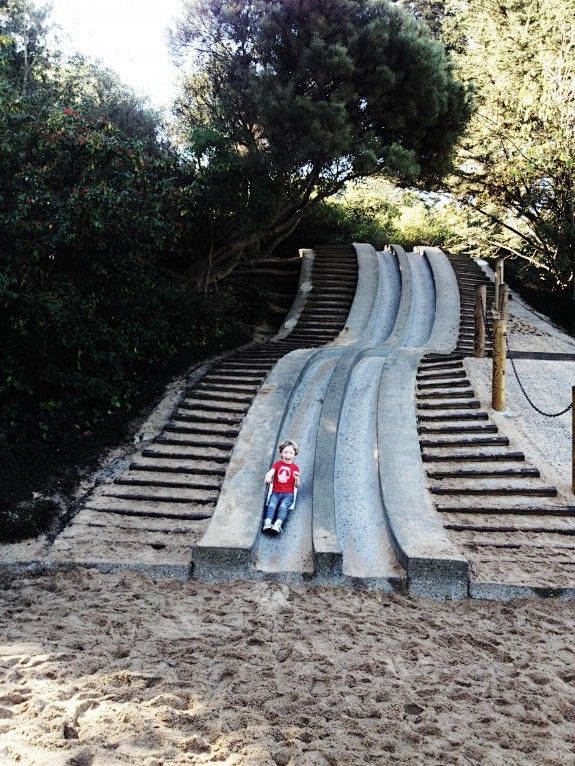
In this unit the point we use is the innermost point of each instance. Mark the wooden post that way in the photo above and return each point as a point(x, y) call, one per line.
point(499, 352)
point(502, 306)
point(499, 360)
point(480, 321)
point(498, 281)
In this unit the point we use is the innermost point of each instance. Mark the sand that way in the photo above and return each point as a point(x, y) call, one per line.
point(103, 670)
point(99, 670)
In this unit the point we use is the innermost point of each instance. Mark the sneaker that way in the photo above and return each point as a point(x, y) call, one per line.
point(277, 527)
point(267, 525)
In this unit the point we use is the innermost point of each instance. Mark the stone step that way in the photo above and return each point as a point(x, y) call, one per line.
point(135, 477)
point(517, 544)
point(510, 487)
point(524, 523)
point(459, 428)
point(185, 452)
point(240, 366)
point(181, 467)
point(315, 340)
point(313, 335)
point(474, 470)
point(438, 358)
point(445, 395)
point(320, 303)
point(335, 287)
point(454, 383)
point(183, 440)
point(478, 441)
point(322, 313)
point(495, 504)
point(429, 365)
point(314, 329)
point(160, 524)
point(204, 439)
point(200, 496)
point(216, 396)
point(224, 418)
point(225, 384)
point(209, 429)
point(458, 454)
point(472, 404)
point(501, 507)
point(200, 405)
point(447, 417)
point(247, 374)
point(195, 440)
point(451, 375)
point(151, 507)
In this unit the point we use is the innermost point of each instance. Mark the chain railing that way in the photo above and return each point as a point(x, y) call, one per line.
point(524, 392)
point(515, 372)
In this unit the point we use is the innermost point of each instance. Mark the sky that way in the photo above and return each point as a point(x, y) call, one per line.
point(129, 36)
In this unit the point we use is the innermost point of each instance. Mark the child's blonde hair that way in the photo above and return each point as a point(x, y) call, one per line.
point(288, 443)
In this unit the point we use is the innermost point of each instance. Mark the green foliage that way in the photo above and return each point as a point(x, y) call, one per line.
point(98, 94)
point(517, 161)
point(290, 100)
point(94, 214)
point(86, 217)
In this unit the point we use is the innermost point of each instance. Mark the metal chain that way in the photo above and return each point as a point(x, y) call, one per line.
point(525, 394)
point(521, 386)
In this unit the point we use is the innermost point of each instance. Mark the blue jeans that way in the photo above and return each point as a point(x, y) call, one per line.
point(278, 506)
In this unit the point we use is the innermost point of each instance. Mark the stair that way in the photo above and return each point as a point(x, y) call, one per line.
point(469, 275)
point(176, 479)
point(493, 503)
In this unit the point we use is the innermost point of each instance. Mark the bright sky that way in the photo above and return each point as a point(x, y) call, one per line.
point(129, 36)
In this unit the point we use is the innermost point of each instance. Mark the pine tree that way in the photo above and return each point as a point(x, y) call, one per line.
point(518, 156)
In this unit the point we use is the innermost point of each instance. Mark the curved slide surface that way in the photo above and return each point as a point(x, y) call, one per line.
point(349, 523)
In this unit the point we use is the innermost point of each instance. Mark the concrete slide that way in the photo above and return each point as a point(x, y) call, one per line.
point(363, 512)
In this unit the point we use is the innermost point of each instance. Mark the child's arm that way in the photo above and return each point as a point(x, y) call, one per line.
point(296, 478)
point(269, 477)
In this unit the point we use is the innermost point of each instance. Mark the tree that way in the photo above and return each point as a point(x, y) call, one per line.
point(24, 55)
point(99, 94)
point(288, 101)
point(430, 12)
point(517, 160)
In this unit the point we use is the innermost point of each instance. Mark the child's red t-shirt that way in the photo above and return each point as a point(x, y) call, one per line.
point(284, 476)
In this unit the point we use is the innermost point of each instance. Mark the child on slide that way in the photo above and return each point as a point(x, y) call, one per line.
point(285, 476)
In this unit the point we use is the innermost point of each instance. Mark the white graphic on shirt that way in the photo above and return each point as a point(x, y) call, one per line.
point(283, 475)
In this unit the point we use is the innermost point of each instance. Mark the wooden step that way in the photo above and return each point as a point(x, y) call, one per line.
point(177, 466)
point(197, 495)
point(450, 416)
point(498, 471)
point(150, 508)
point(450, 405)
point(485, 488)
point(463, 428)
point(135, 477)
point(456, 454)
point(478, 441)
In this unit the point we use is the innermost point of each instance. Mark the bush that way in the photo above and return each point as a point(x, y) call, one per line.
point(94, 314)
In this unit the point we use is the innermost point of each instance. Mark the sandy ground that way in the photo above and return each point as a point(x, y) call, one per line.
point(103, 670)
point(99, 670)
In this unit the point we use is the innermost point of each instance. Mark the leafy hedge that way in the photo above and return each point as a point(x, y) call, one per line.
point(92, 305)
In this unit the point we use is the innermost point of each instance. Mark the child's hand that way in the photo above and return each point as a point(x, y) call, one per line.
point(269, 476)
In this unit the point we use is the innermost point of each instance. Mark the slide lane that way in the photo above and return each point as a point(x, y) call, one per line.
point(359, 508)
point(292, 551)
point(362, 529)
